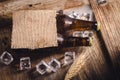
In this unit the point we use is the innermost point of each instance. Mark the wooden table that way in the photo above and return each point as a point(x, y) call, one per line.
point(99, 62)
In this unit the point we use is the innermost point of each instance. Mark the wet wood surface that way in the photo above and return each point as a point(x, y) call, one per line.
point(98, 62)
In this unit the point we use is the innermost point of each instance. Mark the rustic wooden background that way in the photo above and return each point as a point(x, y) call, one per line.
point(99, 62)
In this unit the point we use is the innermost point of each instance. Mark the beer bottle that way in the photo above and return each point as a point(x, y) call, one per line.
point(74, 41)
point(65, 23)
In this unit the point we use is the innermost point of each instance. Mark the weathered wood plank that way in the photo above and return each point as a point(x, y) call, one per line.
point(34, 29)
point(108, 16)
point(75, 3)
point(95, 67)
point(10, 6)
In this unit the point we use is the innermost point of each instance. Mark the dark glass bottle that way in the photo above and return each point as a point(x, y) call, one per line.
point(65, 23)
point(74, 41)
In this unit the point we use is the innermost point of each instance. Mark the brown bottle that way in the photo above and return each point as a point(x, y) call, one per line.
point(74, 41)
point(65, 23)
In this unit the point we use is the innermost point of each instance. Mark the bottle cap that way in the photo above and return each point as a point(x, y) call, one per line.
point(90, 41)
point(98, 26)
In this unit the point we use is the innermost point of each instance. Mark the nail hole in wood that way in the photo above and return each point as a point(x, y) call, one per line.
point(30, 5)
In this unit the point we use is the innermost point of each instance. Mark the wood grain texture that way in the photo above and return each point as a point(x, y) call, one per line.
point(109, 18)
point(75, 3)
point(90, 62)
point(10, 6)
point(34, 29)
point(98, 57)
point(12, 72)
